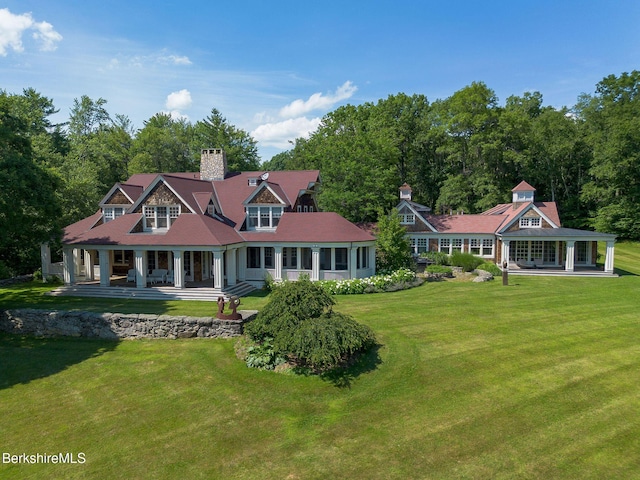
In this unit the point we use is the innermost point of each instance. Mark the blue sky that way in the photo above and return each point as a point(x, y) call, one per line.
point(274, 68)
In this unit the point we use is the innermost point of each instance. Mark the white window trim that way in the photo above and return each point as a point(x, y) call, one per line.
point(407, 219)
point(274, 212)
point(173, 212)
point(528, 222)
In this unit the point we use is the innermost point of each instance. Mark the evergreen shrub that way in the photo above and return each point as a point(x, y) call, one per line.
point(467, 261)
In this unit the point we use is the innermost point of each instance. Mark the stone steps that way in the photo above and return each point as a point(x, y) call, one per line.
point(154, 293)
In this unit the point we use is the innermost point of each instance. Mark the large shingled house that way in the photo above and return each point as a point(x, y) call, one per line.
point(214, 228)
point(527, 234)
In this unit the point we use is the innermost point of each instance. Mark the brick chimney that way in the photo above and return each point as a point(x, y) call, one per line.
point(213, 164)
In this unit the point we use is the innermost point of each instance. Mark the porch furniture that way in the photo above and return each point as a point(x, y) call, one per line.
point(170, 277)
point(131, 275)
point(158, 275)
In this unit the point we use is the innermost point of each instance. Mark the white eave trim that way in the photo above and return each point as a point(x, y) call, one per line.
point(417, 215)
point(525, 210)
point(151, 186)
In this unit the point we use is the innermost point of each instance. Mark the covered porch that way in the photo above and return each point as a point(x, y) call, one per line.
point(565, 250)
point(220, 268)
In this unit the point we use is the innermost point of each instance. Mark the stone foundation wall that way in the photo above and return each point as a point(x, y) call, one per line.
point(44, 323)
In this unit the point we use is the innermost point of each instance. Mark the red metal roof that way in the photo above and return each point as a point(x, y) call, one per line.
point(310, 227)
point(523, 187)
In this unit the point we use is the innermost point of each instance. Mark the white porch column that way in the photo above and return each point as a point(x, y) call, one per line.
point(218, 270)
point(608, 262)
point(315, 264)
point(278, 264)
point(141, 268)
point(505, 252)
point(45, 259)
point(88, 265)
point(242, 263)
point(231, 266)
point(68, 266)
point(77, 261)
point(353, 262)
point(178, 269)
point(372, 259)
point(105, 267)
point(569, 260)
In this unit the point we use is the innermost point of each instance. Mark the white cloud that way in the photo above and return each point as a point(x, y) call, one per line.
point(279, 134)
point(47, 36)
point(178, 60)
point(318, 101)
point(12, 28)
point(179, 100)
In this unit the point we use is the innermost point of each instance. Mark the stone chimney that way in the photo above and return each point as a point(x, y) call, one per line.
point(405, 192)
point(213, 164)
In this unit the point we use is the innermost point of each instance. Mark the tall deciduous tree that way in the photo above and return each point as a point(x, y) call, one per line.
point(240, 148)
point(392, 246)
point(163, 145)
point(612, 120)
point(28, 206)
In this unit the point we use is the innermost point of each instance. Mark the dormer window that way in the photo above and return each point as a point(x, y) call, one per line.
point(263, 217)
point(407, 218)
point(530, 222)
point(159, 217)
point(111, 213)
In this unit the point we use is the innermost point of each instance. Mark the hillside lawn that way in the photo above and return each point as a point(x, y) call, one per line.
point(540, 379)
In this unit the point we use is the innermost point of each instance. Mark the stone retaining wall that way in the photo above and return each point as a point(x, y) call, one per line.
point(44, 323)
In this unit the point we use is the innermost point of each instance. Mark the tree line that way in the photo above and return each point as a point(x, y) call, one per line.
point(465, 153)
point(459, 154)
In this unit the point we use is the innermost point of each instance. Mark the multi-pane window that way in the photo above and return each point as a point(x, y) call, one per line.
point(160, 217)
point(456, 245)
point(474, 246)
point(253, 257)
point(362, 257)
point(530, 222)
point(290, 257)
point(111, 213)
point(536, 251)
point(268, 257)
point(445, 245)
point(407, 218)
point(263, 217)
point(423, 245)
point(549, 252)
point(581, 254)
point(305, 258)
point(487, 247)
point(341, 259)
point(325, 259)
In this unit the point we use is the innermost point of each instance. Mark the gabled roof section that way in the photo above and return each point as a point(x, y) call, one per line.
point(75, 230)
point(547, 210)
point(481, 224)
point(420, 211)
point(276, 191)
point(188, 229)
point(182, 186)
point(234, 190)
point(130, 192)
point(523, 187)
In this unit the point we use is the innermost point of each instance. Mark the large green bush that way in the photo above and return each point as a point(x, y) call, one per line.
point(300, 324)
point(492, 268)
point(439, 258)
point(467, 261)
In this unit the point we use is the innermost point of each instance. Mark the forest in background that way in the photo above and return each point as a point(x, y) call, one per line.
point(460, 154)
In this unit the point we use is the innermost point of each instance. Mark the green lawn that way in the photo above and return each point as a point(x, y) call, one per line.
point(540, 379)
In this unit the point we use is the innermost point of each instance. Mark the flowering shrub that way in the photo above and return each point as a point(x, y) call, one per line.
point(377, 283)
